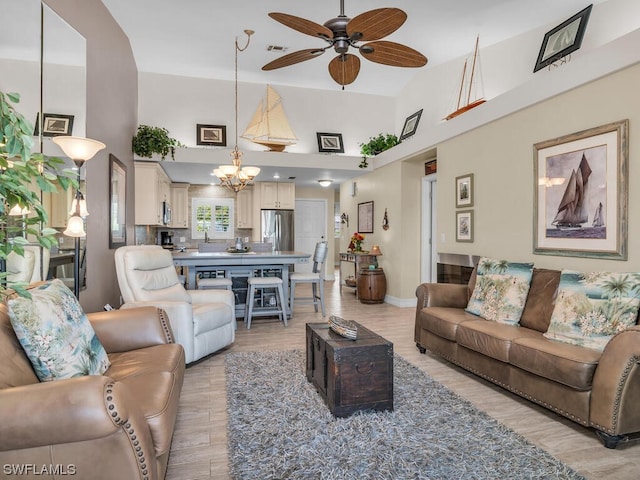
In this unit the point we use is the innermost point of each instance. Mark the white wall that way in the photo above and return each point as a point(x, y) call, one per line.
point(180, 103)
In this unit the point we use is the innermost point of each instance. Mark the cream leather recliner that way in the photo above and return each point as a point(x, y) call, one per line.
point(203, 321)
point(27, 268)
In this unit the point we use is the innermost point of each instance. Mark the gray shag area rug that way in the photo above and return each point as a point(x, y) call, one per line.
point(280, 428)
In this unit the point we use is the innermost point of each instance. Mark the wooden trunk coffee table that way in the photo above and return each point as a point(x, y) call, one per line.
point(350, 375)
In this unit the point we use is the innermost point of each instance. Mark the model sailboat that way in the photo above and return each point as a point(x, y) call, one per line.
point(572, 209)
point(465, 101)
point(269, 125)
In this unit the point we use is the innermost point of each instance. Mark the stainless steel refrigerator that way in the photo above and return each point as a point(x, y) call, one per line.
point(277, 227)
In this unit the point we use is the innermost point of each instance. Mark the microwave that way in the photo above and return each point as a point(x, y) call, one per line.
point(166, 213)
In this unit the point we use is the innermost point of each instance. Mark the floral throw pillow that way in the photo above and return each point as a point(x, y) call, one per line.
point(501, 290)
point(56, 334)
point(591, 308)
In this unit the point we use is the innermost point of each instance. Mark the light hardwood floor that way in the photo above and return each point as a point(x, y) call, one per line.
point(199, 449)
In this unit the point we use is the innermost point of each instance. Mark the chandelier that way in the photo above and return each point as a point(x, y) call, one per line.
point(236, 177)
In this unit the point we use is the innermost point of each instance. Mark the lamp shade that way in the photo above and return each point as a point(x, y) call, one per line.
point(81, 210)
point(325, 183)
point(75, 227)
point(375, 250)
point(17, 210)
point(78, 148)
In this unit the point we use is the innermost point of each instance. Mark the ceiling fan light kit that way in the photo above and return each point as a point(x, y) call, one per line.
point(342, 33)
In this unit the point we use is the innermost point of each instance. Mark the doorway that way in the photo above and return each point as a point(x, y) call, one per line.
point(310, 228)
point(429, 254)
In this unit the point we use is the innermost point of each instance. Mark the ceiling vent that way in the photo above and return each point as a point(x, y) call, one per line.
point(277, 48)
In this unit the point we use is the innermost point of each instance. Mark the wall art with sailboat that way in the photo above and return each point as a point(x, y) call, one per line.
point(581, 193)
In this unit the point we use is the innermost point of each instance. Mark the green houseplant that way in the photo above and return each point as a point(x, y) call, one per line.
point(149, 140)
point(376, 145)
point(22, 173)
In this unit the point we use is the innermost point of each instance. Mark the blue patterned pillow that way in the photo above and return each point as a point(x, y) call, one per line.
point(56, 334)
point(591, 308)
point(501, 290)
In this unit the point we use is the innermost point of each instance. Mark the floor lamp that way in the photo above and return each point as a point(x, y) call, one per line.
point(78, 149)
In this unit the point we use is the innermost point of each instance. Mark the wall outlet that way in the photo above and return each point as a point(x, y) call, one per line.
point(61, 240)
point(182, 239)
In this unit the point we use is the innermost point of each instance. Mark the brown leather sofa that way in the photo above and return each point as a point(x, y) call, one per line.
point(118, 425)
point(596, 389)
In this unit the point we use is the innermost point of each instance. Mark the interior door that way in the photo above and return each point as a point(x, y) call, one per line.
point(310, 228)
point(429, 254)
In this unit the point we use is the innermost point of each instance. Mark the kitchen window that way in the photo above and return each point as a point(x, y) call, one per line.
point(213, 216)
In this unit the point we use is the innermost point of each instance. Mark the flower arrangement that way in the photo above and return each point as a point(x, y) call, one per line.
point(356, 242)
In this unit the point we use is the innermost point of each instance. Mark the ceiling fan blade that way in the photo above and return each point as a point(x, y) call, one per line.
point(302, 25)
point(394, 54)
point(293, 58)
point(375, 24)
point(344, 68)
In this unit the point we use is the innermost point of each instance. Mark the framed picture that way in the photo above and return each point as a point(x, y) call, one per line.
point(117, 202)
point(330, 143)
point(54, 124)
point(464, 226)
point(581, 191)
point(464, 190)
point(410, 125)
point(215, 135)
point(563, 39)
point(365, 217)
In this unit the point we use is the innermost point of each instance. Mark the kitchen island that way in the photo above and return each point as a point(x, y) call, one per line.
point(238, 267)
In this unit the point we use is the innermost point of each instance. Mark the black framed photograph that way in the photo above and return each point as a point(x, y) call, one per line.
point(410, 125)
point(464, 226)
point(215, 135)
point(117, 202)
point(563, 39)
point(330, 142)
point(581, 193)
point(54, 125)
point(365, 217)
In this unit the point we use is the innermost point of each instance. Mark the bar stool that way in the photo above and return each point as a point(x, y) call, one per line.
point(212, 283)
point(315, 278)
point(263, 283)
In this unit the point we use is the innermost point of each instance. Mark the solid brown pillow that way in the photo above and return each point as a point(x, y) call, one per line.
point(540, 300)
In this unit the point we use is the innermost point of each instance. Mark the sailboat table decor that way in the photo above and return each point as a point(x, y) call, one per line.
point(582, 193)
point(468, 96)
point(269, 125)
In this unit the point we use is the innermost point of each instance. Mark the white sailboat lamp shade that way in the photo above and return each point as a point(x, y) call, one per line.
point(75, 227)
point(78, 148)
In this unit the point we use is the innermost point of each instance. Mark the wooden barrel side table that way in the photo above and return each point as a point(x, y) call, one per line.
point(372, 285)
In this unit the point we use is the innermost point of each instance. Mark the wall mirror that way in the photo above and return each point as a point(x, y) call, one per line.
point(44, 59)
point(117, 202)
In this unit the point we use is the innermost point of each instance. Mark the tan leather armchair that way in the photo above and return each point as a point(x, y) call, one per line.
point(203, 321)
point(116, 425)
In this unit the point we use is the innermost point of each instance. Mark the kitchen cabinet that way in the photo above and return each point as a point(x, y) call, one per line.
point(180, 205)
point(152, 187)
point(280, 195)
point(244, 208)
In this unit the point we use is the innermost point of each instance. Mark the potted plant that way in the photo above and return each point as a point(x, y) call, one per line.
point(149, 140)
point(377, 145)
point(19, 168)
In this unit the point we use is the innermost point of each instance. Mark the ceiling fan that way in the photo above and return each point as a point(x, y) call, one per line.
point(343, 32)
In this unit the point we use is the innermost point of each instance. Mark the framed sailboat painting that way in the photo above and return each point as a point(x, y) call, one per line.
point(581, 193)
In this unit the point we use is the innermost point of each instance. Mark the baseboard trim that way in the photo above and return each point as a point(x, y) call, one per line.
point(401, 302)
